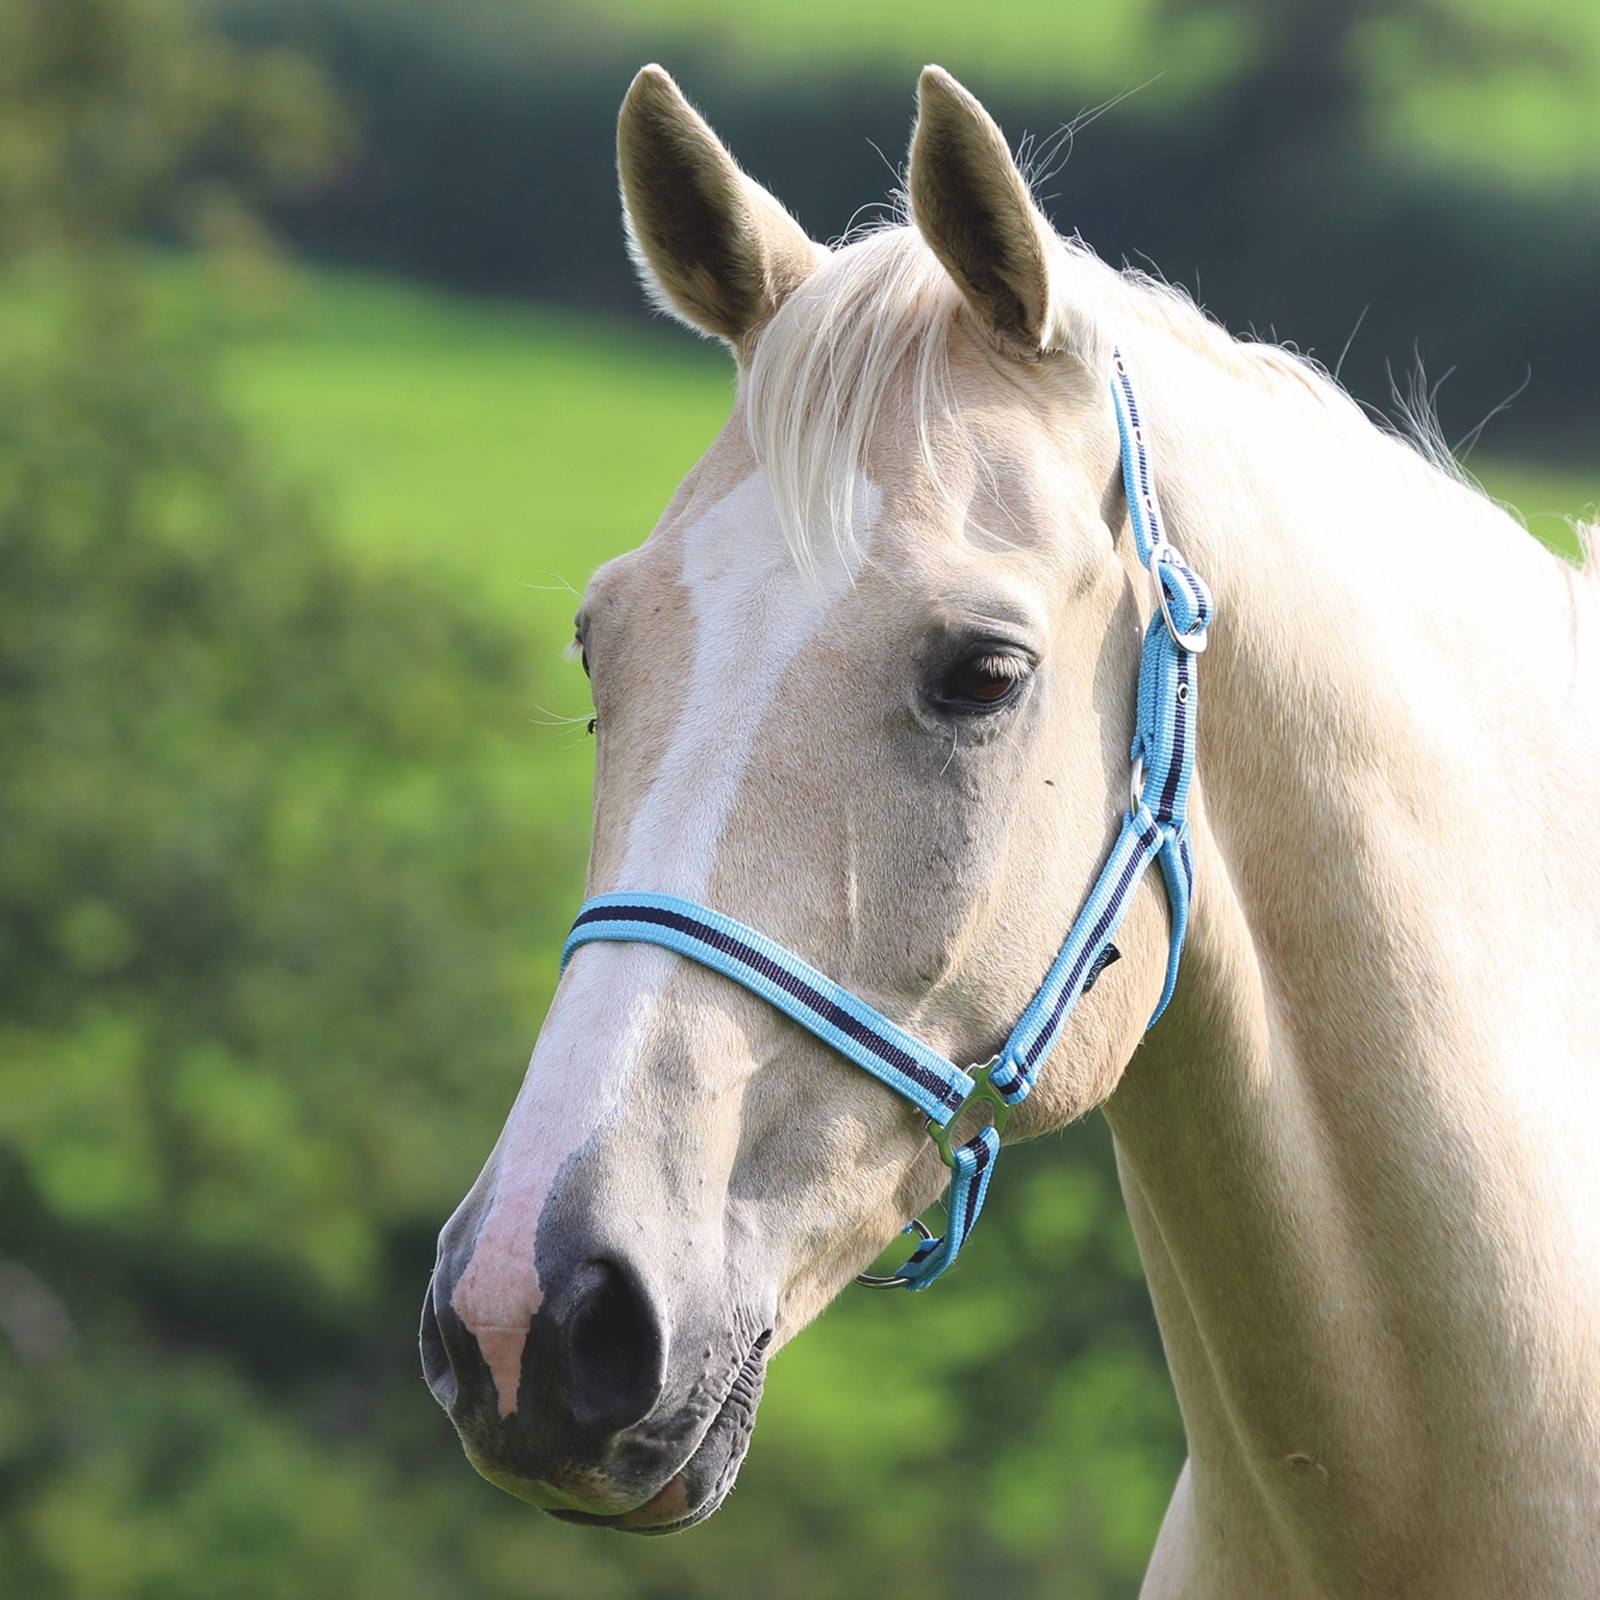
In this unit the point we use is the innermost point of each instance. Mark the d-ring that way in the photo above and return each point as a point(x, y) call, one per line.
point(867, 1281)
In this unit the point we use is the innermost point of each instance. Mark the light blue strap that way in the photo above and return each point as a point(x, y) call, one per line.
point(969, 1183)
point(937, 1087)
point(1163, 746)
point(1137, 845)
point(1138, 478)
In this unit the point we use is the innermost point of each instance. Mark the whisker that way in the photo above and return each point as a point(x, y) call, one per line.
point(556, 719)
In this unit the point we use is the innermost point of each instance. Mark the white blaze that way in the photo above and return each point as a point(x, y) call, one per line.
point(753, 613)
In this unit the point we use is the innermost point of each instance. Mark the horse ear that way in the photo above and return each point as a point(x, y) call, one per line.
point(713, 247)
point(973, 208)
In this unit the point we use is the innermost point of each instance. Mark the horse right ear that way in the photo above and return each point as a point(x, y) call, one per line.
point(712, 246)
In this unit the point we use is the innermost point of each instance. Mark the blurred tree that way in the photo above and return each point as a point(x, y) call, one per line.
point(267, 891)
point(121, 114)
point(268, 903)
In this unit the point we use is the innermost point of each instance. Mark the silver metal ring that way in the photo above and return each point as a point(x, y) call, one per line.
point(867, 1281)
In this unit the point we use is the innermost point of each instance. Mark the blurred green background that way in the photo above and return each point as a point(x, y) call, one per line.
point(323, 385)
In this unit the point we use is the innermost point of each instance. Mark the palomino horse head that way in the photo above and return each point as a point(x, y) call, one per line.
point(876, 664)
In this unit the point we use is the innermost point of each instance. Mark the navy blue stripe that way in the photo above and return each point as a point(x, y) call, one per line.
point(1128, 395)
point(1141, 461)
point(1007, 1084)
point(1196, 589)
point(1101, 931)
point(835, 1016)
point(980, 1161)
point(1180, 739)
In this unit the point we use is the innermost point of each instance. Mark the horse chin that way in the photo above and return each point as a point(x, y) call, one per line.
point(703, 1482)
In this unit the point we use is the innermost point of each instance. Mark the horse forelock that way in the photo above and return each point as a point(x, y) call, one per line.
point(871, 326)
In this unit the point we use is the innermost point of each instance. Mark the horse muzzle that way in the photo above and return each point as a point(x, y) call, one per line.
point(616, 1416)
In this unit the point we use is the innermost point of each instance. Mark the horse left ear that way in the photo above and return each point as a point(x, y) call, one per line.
point(973, 208)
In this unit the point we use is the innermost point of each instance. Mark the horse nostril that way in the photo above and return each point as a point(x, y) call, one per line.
point(435, 1363)
point(614, 1350)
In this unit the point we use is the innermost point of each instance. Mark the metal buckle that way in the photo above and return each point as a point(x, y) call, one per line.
point(1194, 642)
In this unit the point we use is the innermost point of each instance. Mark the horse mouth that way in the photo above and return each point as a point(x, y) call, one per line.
point(701, 1485)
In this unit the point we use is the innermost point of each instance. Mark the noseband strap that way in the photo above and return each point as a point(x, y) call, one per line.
point(1154, 829)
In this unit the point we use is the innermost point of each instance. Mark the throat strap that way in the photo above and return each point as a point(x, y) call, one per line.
point(1155, 829)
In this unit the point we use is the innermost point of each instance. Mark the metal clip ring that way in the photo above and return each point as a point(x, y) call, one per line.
point(982, 1090)
point(867, 1281)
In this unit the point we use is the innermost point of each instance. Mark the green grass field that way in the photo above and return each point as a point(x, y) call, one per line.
point(517, 449)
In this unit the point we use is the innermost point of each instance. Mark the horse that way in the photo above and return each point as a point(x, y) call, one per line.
point(869, 687)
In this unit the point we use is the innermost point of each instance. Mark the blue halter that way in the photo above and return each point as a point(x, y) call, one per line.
point(1155, 829)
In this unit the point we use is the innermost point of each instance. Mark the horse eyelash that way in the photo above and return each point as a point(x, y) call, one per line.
point(1001, 666)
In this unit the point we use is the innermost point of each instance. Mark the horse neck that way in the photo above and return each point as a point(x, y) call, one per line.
point(1358, 1152)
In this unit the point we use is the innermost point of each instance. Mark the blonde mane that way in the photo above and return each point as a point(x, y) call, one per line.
point(873, 324)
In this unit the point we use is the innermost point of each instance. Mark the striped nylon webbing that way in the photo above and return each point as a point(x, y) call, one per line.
point(935, 1086)
point(1158, 830)
point(1155, 830)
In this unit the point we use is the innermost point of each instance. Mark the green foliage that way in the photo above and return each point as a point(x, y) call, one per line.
point(223, 762)
point(116, 114)
point(270, 895)
point(1484, 87)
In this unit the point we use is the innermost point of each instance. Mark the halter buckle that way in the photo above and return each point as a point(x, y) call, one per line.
point(1195, 641)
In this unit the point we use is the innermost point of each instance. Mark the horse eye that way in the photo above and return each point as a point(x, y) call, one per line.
point(983, 680)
